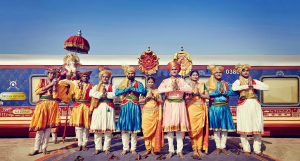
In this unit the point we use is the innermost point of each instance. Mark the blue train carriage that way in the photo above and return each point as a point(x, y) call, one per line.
point(20, 73)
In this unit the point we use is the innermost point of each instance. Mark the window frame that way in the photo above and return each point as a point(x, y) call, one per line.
point(280, 104)
point(31, 87)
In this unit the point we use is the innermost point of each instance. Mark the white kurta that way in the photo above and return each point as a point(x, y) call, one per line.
point(249, 114)
point(103, 118)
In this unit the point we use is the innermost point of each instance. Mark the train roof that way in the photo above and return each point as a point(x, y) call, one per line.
point(253, 60)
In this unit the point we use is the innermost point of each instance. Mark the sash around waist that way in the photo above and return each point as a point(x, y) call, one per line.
point(46, 97)
point(220, 103)
point(83, 101)
point(245, 97)
point(106, 100)
point(132, 97)
point(175, 99)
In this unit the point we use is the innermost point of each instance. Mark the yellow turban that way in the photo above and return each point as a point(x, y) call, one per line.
point(213, 69)
point(104, 71)
point(128, 69)
point(212, 82)
point(125, 82)
point(240, 67)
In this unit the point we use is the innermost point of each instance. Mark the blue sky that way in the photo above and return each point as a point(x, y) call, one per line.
point(130, 26)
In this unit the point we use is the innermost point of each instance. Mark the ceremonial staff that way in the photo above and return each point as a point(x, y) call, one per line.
point(66, 122)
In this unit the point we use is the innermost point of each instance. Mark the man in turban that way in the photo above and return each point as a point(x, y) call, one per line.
point(46, 114)
point(220, 117)
point(249, 113)
point(175, 118)
point(80, 116)
point(130, 113)
point(103, 112)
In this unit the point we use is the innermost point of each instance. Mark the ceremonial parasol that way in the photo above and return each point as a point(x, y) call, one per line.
point(77, 43)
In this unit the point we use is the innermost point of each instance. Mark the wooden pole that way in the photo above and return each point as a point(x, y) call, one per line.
point(66, 122)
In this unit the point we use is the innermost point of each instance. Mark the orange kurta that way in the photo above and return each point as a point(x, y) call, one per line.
point(152, 123)
point(80, 112)
point(198, 117)
point(46, 113)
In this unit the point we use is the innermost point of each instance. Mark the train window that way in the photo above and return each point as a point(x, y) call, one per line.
point(116, 80)
point(34, 82)
point(282, 90)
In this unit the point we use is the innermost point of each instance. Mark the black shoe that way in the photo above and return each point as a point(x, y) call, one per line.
point(79, 158)
point(33, 153)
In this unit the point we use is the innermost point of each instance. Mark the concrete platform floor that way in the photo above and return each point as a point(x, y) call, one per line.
point(17, 149)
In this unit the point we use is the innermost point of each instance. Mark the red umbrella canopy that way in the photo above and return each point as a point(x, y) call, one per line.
point(77, 43)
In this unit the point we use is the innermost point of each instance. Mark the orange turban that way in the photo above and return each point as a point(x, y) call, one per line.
point(173, 64)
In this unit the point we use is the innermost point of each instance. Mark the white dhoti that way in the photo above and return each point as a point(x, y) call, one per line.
point(98, 141)
point(249, 114)
point(41, 139)
point(103, 123)
point(256, 143)
point(125, 141)
point(179, 140)
point(103, 119)
point(82, 135)
point(220, 139)
point(54, 136)
point(250, 121)
point(250, 118)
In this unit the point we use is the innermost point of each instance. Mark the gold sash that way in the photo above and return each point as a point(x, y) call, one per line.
point(247, 93)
